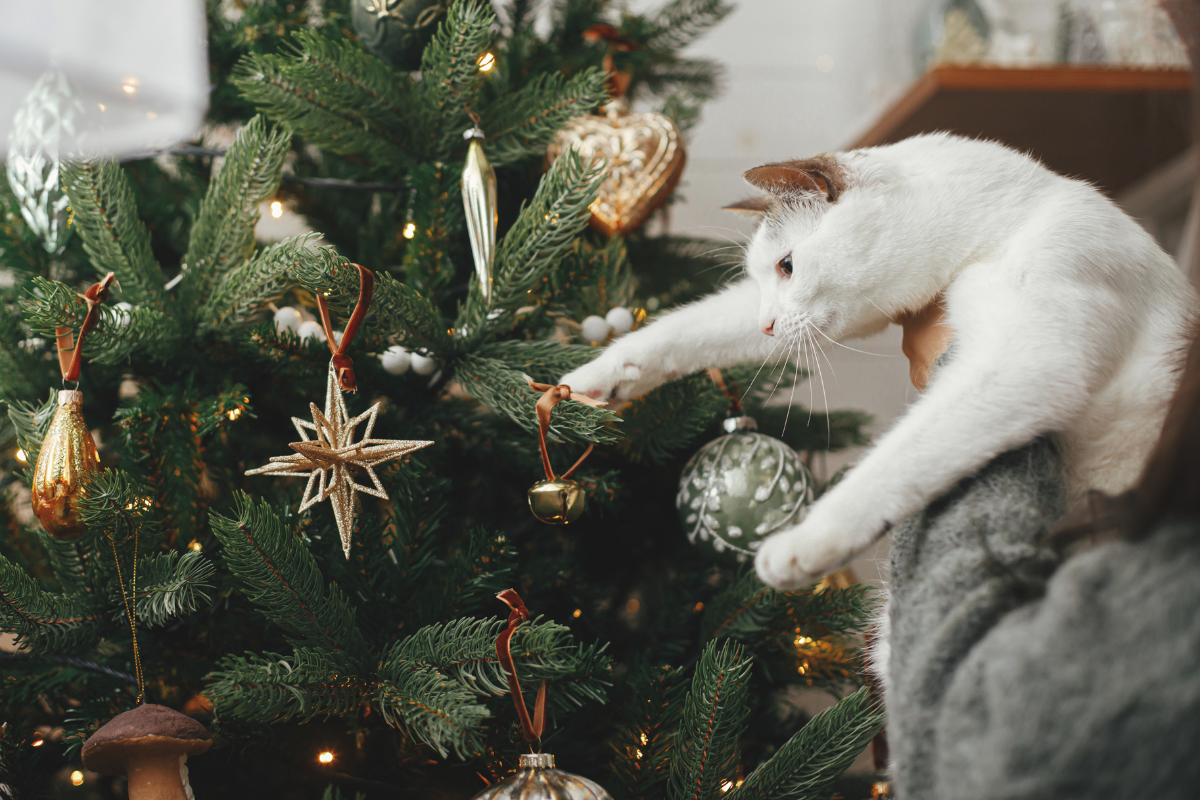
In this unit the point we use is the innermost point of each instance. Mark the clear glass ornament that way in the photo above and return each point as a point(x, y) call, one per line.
point(47, 116)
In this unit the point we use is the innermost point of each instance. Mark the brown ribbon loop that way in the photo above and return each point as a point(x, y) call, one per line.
point(618, 82)
point(552, 396)
point(341, 361)
point(70, 348)
point(533, 727)
point(730, 392)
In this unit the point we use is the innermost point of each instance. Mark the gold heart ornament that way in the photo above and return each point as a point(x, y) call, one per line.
point(645, 158)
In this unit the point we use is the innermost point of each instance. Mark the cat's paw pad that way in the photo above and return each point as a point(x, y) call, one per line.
point(798, 557)
point(605, 379)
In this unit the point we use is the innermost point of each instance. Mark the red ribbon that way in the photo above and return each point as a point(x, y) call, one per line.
point(70, 348)
point(341, 361)
point(533, 727)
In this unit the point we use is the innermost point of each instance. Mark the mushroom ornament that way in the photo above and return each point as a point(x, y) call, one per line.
point(150, 745)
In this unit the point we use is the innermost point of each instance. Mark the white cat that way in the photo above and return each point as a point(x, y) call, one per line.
point(1068, 318)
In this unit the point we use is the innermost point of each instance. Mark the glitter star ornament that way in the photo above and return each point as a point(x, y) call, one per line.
point(331, 460)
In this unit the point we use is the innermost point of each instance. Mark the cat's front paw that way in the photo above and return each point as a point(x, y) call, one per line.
point(802, 555)
point(611, 377)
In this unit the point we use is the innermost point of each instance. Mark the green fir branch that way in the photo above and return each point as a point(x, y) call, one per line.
point(464, 650)
point(806, 766)
point(544, 361)
point(170, 586)
point(506, 392)
point(334, 95)
point(750, 610)
point(434, 710)
point(118, 334)
point(681, 22)
point(281, 577)
point(640, 765)
point(31, 423)
point(670, 418)
point(523, 123)
point(241, 295)
point(223, 235)
point(311, 683)
point(115, 504)
point(106, 217)
point(450, 73)
point(44, 622)
point(714, 714)
point(545, 230)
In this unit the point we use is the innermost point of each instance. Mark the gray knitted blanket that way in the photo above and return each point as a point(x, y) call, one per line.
point(1009, 679)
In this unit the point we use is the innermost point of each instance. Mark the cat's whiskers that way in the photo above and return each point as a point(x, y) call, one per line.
point(760, 369)
point(825, 397)
point(776, 381)
point(854, 349)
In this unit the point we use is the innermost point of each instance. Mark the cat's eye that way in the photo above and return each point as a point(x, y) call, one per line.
point(784, 267)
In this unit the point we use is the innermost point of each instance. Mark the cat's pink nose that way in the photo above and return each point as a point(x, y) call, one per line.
point(769, 328)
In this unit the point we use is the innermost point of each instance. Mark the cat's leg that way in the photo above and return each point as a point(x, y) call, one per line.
point(718, 331)
point(1025, 365)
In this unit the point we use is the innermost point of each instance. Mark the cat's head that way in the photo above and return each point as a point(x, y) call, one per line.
point(816, 255)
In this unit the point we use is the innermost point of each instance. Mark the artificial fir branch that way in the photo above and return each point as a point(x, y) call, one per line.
point(642, 747)
point(522, 123)
point(749, 609)
point(808, 763)
point(222, 236)
point(240, 296)
point(169, 586)
point(443, 714)
point(119, 333)
point(281, 577)
point(450, 74)
point(714, 714)
point(310, 683)
point(44, 622)
point(31, 422)
point(117, 241)
point(664, 421)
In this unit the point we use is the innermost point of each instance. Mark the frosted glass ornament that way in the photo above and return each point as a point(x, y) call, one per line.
point(395, 360)
point(594, 329)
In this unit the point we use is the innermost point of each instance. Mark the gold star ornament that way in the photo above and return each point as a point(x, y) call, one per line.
point(331, 460)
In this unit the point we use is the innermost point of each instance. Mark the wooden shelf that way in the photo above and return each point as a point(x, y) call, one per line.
point(1107, 125)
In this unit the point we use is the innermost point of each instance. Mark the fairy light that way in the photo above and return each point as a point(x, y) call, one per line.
point(410, 230)
point(802, 640)
point(637, 753)
point(645, 738)
point(37, 743)
point(195, 545)
point(486, 62)
point(577, 613)
point(234, 413)
point(726, 786)
point(128, 86)
point(633, 606)
point(77, 778)
point(325, 757)
point(22, 456)
point(276, 209)
point(699, 607)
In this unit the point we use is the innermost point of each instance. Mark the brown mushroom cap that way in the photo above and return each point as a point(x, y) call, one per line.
point(146, 730)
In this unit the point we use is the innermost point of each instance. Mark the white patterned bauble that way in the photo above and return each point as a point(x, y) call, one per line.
point(739, 489)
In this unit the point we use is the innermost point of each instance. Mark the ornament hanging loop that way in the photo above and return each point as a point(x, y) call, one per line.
point(342, 362)
point(70, 347)
point(532, 727)
point(552, 396)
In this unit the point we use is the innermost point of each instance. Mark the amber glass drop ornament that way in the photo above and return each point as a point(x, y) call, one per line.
point(67, 456)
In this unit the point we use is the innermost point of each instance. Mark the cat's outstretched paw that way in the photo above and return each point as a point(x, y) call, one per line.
point(799, 557)
point(611, 377)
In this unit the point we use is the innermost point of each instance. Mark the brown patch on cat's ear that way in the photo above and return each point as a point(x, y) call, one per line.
point(751, 205)
point(794, 179)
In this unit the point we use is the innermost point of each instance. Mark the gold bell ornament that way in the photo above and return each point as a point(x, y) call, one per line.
point(479, 204)
point(68, 454)
point(643, 153)
point(556, 500)
point(536, 779)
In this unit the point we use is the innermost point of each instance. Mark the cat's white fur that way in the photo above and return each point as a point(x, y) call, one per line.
point(1068, 318)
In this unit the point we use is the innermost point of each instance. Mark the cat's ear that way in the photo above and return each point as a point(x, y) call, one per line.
point(751, 205)
point(793, 180)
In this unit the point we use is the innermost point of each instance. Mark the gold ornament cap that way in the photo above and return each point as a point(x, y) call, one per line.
point(67, 456)
point(557, 502)
point(537, 761)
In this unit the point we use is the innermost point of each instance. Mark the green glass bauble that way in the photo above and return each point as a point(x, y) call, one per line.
point(398, 30)
point(739, 489)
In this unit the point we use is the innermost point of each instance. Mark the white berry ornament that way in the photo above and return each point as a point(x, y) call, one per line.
point(594, 329)
point(288, 319)
point(396, 360)
point(739, 489)
point(422, 365)
point(310, 330)
point(620, 319)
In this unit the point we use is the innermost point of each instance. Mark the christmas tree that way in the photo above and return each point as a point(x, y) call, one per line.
point(322, 671)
